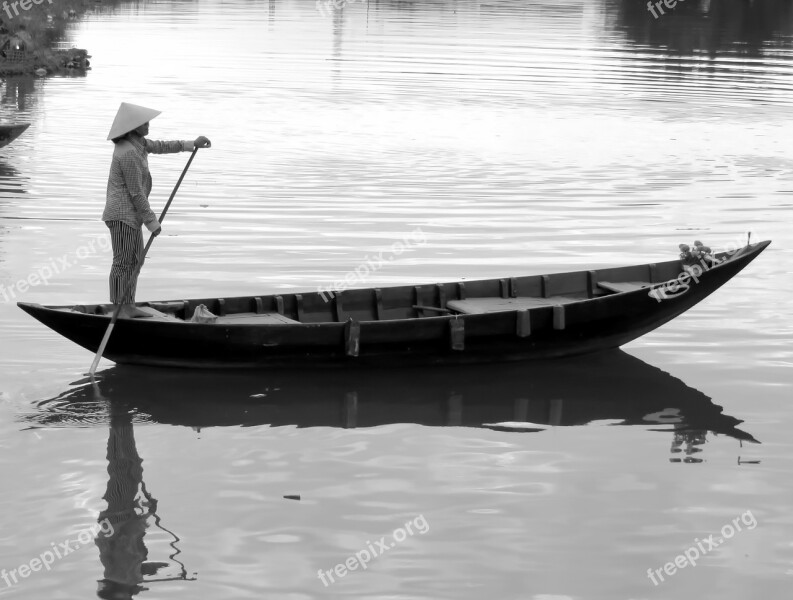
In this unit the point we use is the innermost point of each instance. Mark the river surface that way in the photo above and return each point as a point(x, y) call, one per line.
point(510, 137)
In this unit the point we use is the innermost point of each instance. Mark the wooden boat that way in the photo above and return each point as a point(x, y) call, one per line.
point(519, 318)
point(8, 133)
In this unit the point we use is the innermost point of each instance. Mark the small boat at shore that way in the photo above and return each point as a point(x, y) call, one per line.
point(8, 133)
point(490, 320)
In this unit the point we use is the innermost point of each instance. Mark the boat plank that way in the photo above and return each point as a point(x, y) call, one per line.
point(488, 305)
point(623, 286)
point(255, 319)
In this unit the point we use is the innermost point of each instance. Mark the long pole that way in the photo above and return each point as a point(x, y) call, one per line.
point(135, 274)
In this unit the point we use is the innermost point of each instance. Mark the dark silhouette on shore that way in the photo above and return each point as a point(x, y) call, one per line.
point(742, 27)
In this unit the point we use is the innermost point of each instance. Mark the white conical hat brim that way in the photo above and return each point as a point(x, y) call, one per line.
point(129, 117)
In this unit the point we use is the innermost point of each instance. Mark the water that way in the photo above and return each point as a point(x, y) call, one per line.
point(519, 137)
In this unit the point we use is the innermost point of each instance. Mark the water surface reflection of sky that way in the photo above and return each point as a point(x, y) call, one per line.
point(521, 137)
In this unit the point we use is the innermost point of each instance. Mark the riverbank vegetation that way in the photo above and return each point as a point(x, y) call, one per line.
point(28, 32)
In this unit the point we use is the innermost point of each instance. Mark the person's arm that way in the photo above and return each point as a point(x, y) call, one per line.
point(159, 147)
point(132, 172)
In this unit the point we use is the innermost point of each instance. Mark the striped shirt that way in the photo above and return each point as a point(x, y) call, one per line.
point(129, 183)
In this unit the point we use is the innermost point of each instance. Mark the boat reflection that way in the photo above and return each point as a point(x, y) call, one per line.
point(611, 386)
point(11, 181)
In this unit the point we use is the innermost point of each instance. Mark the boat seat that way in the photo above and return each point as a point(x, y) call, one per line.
point(472, 306)
point(623, 286)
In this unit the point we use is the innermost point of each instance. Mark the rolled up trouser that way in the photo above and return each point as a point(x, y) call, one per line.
point(127, 245)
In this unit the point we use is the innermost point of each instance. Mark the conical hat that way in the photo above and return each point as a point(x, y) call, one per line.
point(129, 117)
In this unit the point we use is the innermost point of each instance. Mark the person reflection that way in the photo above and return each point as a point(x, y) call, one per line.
point(129, 507)
point(18, 90)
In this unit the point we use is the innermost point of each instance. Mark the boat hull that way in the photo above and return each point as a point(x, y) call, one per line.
point(547, 331)
point(8, 133)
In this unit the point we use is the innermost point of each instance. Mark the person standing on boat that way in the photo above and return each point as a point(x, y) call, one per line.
point(128, 187)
